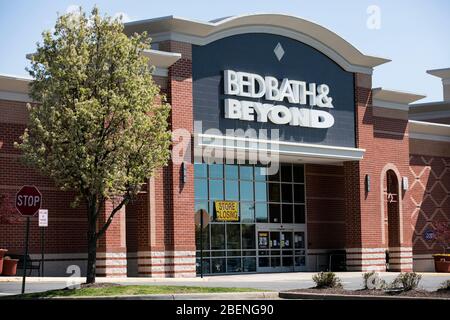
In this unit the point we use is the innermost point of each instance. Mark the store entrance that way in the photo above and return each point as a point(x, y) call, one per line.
point(281, 248)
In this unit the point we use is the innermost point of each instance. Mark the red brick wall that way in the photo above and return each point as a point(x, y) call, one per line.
point(66, 232)
point(325, 206)
point(180, 220)
point(386, 143)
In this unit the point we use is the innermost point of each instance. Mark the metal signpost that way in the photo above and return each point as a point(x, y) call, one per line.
point(28, 202)
point(43, 223)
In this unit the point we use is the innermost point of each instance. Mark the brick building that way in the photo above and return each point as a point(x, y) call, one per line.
point(362, 172)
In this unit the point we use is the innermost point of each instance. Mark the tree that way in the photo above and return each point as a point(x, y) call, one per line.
point(100, 124)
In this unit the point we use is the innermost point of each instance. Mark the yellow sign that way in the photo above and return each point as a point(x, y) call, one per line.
point(227, 210)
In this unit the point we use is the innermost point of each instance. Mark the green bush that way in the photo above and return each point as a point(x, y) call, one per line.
point(407, 281)
point(445, 285)
point(372, 281)
point(326, 280)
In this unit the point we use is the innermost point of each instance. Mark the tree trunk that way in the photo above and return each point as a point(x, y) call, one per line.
point(92, 245)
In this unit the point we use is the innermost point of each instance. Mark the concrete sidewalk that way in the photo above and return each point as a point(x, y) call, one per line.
point(266, 281)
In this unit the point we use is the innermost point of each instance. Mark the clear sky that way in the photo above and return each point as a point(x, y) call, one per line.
point(414, 34)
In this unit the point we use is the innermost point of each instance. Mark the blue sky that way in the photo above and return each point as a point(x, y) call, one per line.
point(414, 34)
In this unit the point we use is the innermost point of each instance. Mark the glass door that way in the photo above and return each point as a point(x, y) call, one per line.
point(281, 250)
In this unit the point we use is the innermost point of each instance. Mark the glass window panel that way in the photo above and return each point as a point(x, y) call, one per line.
point(201, 188)
point(286, 173)
point(300, 261)
point(263, 253)
point(246, 172)
point(206, 266)
point(200, 170)
point(231, 190)
point(212, 211)
point(274, 192)
point(275, 176)
point(299, 213)
point(216, 189)
point(205, 238)
point(217, 236)
point(261, 212)
point(249, 264)
point(218, 265)
point(234, 265)
point(287, 213)
point(274, 213)
point(299, 174)
point(218, 253)
point(288, 261)
point(216, 171)
point(201, 205)
point(286, 192)
point(246, 190)
point(248, 236)
point(274, 240)
point(263, 262)
point(286, 240)
point(299, 240)
point(231, 172)
point(233, 236)
point(299, 193)
point(275, 262)
point(234, 253)
point(275, 252)
point(260, 191)
point(249, 253)
point(206, 253)
point(247, 212)
point(260, 173)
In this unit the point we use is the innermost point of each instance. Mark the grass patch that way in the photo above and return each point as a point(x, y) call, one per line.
point(128, 291)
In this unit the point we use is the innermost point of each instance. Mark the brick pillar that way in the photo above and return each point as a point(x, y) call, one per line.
point(170, 248)
point(385, 140)
point(363, 243)
point(111, 250)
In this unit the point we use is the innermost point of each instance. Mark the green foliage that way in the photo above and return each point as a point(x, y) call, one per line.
point(326, 280)
point(445, 286)
point(372, 281)
point(98, 128)
point(407, 281)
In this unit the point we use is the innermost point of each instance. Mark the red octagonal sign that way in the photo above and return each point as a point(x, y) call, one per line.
point(28, 200)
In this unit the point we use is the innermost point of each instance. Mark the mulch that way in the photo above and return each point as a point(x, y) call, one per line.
point(366, 292)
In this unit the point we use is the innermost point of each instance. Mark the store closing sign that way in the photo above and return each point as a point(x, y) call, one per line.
point(227, 210)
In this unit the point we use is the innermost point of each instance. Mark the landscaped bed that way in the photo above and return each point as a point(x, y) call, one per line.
point(111, 289)
point(368, 292)
point(405, 285)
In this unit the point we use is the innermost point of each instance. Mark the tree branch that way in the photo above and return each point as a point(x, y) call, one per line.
point(124, 201)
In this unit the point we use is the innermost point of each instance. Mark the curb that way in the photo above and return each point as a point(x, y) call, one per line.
point(180, 296)
point(330, 296)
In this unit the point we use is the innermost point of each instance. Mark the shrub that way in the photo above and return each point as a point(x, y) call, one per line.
point(326, 280)
point(407, 281)
point(445, 286)
point(372, 281)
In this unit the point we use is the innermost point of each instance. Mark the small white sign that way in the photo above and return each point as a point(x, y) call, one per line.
point(43, 218)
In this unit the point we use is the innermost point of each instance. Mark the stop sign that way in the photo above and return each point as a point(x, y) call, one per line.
point(28, 200)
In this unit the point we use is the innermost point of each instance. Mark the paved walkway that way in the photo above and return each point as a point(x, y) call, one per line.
point(266, 281)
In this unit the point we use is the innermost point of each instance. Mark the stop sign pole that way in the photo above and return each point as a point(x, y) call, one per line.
point(28, 202)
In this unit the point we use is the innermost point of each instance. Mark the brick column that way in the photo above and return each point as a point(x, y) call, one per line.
point(385, 140)
point(111, 250)
point(169, 250)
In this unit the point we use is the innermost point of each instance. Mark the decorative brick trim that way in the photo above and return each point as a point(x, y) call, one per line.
point(166, 263)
